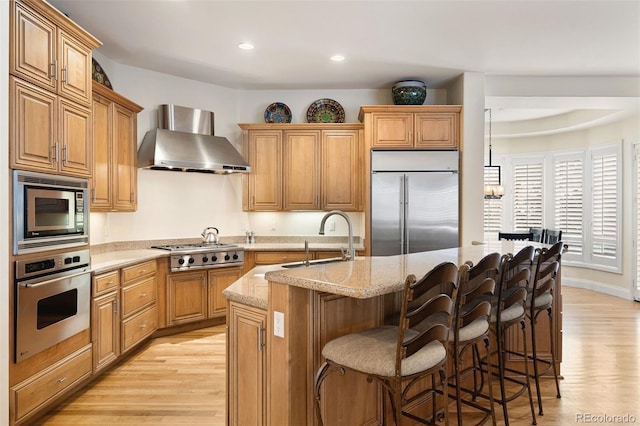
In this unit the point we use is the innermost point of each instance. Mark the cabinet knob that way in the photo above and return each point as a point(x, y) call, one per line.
point(62, 379)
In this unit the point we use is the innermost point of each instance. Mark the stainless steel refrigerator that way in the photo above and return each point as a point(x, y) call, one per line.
point(414, 201)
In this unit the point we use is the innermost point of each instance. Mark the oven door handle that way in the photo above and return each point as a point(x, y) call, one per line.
point(43, 283)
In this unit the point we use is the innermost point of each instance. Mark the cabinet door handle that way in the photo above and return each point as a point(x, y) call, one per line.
point(132, 197)
point(53, 152)
point(261, 342)
point(65, 154)
point(115, 306)
point(55, 69)
point(64, 75)
point(93, 198)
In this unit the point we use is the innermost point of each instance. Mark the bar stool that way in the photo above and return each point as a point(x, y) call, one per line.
point(399, 357)
point(515, 236)
point(508, 311)
point(476, 285)
point(540, 299)
point(537, 234)
point(552, 236)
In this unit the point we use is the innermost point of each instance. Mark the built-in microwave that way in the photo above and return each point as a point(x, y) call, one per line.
point(49, 212)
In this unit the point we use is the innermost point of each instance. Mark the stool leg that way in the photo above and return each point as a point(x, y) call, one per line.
point(526, 371)
point(489, 382)
point(534, 357)
point(501, 361)
point(320, 376)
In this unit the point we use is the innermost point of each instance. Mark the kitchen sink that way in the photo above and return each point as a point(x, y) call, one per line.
point(312, 263)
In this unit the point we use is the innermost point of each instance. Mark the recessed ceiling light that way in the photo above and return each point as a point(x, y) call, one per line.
point(245, 46)
point(337, 58)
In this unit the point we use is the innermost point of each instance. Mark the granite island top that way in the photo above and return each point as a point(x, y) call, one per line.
point(362, 278)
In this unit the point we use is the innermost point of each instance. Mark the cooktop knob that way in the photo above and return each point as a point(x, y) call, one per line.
point(226, 257)
point(214, 258)
point(191, 260)
point(181, 261)
point(235, 256)
point(205, 259)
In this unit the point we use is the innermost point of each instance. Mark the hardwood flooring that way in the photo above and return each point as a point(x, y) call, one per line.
point(181, 379)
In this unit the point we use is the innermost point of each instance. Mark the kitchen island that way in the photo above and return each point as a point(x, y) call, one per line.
point(280, 318)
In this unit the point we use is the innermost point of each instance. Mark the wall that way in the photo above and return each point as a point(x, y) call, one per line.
point(181, 205)
point(4, 206)
point(627, 130)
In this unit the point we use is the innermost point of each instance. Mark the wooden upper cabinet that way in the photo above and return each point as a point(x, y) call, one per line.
point(114, 185)
point(49, 50)
point(301, 170)
point(392, 130)
point(263, 150)
point(49, 133)
point(412, 127)
point(303, 167)
point(437, 130)
point(341, 170)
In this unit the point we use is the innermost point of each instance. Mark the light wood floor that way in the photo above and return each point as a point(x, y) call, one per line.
point(181, 379)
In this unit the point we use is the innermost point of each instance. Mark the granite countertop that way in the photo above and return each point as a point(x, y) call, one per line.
point(121, 258)
point(121, 254)
point(362, 278)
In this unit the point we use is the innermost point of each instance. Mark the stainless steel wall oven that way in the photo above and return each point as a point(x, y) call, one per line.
point(52, 300)
point(49, 212)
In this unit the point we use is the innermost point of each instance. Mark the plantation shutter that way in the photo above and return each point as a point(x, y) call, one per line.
point(636, 204)
point(568, 175)
point(527, 196)
point(492, 207)
point(605, 182)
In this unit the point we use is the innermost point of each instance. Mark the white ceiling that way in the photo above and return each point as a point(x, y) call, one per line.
point(383, 41)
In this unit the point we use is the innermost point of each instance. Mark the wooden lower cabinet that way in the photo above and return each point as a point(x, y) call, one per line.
point(197, 295)
point(138, 299)
point(30, 396)
point(217, 281)
point(186, 297)
point(247, 358)
point(105, 330)
point(105, 319)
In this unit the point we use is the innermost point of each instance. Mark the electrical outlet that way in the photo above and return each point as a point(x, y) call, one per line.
point(278, 324)
point(273, 226)
point(332, 226)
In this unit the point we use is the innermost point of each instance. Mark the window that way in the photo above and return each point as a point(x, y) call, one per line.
point(636, 207)
point(568, 177)
point(605, 207)
point(579, 193)
point(527, 196)
point(492, 207)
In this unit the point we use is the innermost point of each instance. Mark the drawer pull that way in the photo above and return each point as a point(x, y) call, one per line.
point(143, 295)
point(143, 325)
point(62, 380)
point(143, 271)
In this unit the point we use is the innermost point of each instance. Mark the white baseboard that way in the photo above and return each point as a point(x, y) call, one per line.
point(623, 293)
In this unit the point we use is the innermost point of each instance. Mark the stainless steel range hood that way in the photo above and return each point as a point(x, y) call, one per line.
point(184, 141)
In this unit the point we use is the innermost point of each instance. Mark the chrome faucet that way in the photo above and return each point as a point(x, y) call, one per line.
point(351, 254)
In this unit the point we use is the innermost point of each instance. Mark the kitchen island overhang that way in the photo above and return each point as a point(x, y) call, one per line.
point(313, 305)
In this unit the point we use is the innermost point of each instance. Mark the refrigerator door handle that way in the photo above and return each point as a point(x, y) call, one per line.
point(405, 216)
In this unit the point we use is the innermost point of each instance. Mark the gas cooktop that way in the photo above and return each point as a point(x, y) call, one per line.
point(198, 247)
point(202, 255)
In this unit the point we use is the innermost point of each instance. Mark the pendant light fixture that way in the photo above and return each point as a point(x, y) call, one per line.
point(493, 191)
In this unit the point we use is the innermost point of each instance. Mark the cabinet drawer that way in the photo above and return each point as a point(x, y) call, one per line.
point(273, 257)
point(105, 283)
point(137, 296)
point(133, 272)
point(52, 382)
point(138, 327)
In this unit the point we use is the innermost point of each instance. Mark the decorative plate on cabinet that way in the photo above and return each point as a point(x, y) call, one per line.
point(277, 112)
point(98, 74)
point(325, 111)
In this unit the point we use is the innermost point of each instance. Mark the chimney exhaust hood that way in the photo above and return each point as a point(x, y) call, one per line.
point(185, 142)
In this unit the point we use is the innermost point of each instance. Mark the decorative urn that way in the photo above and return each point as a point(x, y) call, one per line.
point(409, 92)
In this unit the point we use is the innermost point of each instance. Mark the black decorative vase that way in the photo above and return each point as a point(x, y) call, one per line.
point(409, 92)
